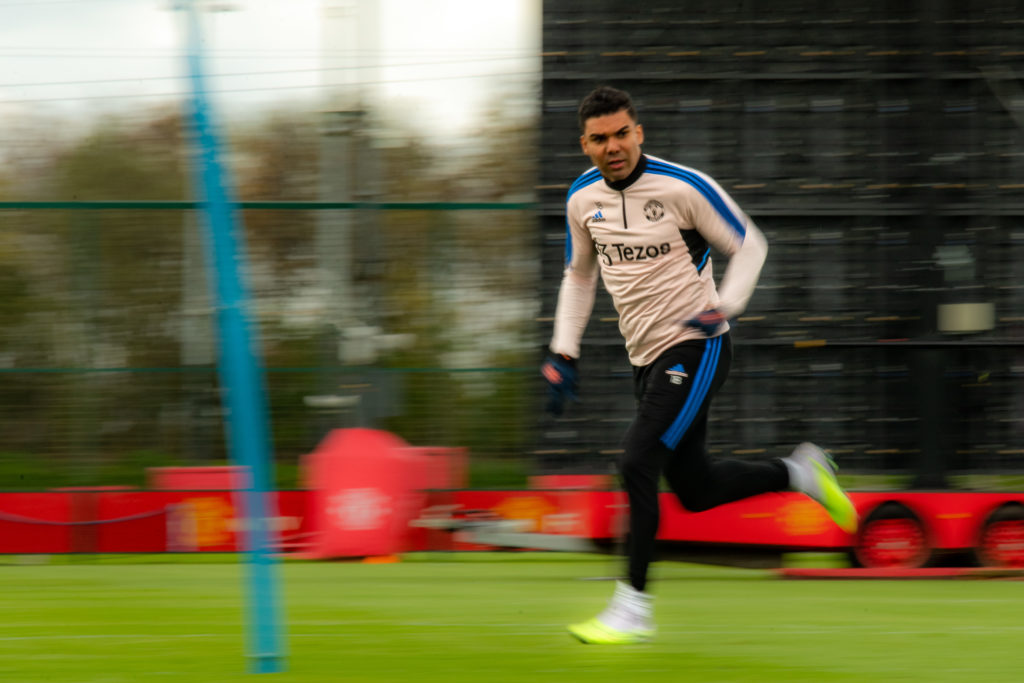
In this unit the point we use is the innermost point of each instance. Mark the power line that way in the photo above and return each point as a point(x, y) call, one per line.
point(321, 86)
point(243, 74)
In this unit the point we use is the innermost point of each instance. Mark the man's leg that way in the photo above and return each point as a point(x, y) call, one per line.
point(640, 469)
point(628, 616)
point(675, 384)
point(701, 482)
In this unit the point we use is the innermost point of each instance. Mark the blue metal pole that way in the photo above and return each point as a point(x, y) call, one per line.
point(241, 376)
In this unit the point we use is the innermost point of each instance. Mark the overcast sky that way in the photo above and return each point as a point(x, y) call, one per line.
point(441, 59)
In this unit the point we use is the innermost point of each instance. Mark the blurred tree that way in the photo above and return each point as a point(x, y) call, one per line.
point(121, 265)
point(274, 158)
point(94, 290)
point(121, 157)
point(463, 284)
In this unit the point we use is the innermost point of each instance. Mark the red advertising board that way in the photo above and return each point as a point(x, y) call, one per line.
point(365, 503)
point(135, 521)
point(35, 522)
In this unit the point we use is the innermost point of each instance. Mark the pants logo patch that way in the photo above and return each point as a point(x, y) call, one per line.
point(676, 373)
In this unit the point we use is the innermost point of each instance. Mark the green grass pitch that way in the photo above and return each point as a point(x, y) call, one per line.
point(494, 618)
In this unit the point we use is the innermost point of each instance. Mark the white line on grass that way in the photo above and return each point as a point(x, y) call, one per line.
point(545, 628)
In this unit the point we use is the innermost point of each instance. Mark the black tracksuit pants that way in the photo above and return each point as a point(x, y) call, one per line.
point(668, 437)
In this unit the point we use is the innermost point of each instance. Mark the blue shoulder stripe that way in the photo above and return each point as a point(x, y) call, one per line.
point(709, 192)
point(588, 178)
point(568, 243)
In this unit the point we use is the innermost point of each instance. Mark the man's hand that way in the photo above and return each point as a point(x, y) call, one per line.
point(708, 322)
point(563, 381)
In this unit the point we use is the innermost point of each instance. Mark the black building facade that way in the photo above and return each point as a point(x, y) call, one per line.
point(881, 150)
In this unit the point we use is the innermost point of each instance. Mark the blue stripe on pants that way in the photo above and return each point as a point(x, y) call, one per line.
point(699, 391)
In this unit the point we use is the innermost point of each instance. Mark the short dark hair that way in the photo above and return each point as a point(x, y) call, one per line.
point(602, 101)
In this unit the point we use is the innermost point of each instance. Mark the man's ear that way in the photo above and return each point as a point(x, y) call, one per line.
point(583, 144)
point(640, 133)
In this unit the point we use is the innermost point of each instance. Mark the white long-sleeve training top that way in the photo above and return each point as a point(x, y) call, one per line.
point(648, 235)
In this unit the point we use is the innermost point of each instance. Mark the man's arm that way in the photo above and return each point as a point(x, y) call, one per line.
point(577, 291)
point(727, 228)
point(572, 312)
point(741, 275)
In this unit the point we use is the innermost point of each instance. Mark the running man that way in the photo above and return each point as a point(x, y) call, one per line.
point(646, 227)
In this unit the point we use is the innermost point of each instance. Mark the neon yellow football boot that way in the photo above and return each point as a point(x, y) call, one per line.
point(812, 471)
point(627, 619)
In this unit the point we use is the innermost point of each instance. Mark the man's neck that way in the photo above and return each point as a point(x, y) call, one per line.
point(637, 171)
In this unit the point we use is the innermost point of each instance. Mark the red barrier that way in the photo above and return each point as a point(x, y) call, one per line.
point(370, 485)
point(773, 519)
point(948, 521)
point(35, 523)
point(136, 521)
point(162, 521)
point(786, 519)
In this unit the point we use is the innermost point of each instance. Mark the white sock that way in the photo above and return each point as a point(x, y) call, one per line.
point(629, 609)
point(800, 479)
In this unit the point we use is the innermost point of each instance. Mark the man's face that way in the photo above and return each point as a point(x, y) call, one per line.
point(613, 143)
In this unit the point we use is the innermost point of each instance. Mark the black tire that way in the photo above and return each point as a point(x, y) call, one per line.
point(892, 536)
point(1000, 540)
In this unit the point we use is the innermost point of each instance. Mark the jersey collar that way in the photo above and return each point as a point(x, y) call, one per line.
point(638, 170)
